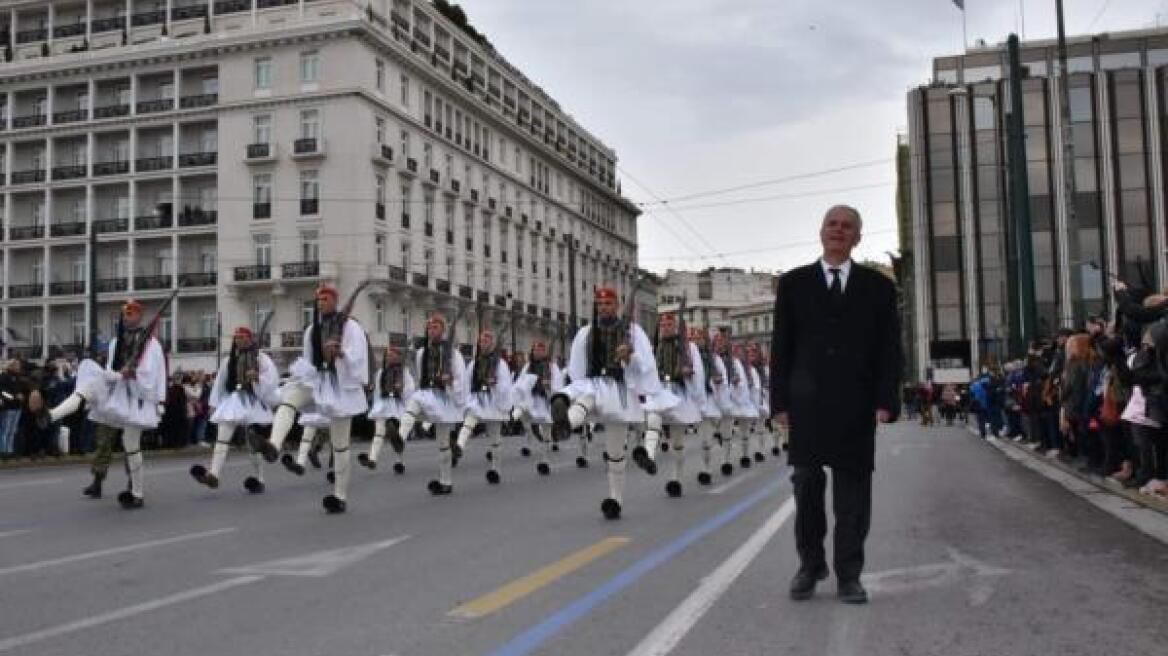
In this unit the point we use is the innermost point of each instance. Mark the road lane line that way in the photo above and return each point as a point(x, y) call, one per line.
point(19, 531)
point(534, 637)
point(8, 644)
point(732, 483)
point(89, 555)
point(678, 623)
point(523, 586)
point(38, 481)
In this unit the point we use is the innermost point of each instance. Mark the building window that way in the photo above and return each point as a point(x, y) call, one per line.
point(310, 124)
point(309, 67)
point(405, 90)
point(309, 191)
point(307, 311)
point(262, 247)
point(309, 246)
point(263, 74)
point(261, 129)
point(379, 129)
point(379, 75)
point(405, 144)
point(261, 184)
point(379, 249)
point(379, 316)
point(405, 192)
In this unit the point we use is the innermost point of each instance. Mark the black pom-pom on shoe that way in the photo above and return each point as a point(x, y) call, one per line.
point(543, 469)
point(555, 447)
point(492, 477)
point(331, 477)
point(438, 489)
point(673, 489)
point(610, 508)
point(525, 452)
point(364, 460)
point(334, 505)
point(128, 501)
point(704, 478)
point(253, 485)
point(727, 469)
point(581, 462)
point(744, 462)
point(759, 457)
point(399, 468)
point(291, 465)
point(664, 447)
point(641, 457)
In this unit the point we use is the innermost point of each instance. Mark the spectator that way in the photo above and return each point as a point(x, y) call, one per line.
point(13, 388)
point(36, 430)
point(949, 403)
point(174, 428)
point(193, 387)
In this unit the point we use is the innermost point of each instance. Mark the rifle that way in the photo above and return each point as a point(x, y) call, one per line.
point(151, 327)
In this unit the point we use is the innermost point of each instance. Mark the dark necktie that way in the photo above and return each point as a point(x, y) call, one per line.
point(837, 287)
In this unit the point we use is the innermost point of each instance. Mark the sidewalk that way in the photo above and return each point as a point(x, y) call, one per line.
point(1145, 513)
point(84, 459)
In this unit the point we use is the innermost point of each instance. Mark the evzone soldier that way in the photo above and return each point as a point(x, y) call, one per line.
point(679, 368)
point(488, 401)
point(92, 389)
point(714, 389)
point(611, 363)
point(245, 390)
point(744, 412)
point(330, 377)
point(393, 387)
point(439, 397)
point(312, 441)
point(761, 391)
point(538, 381)
point(124, 397)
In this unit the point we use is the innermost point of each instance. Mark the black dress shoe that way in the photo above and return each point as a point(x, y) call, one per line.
point(852, 592)
point(803, 585)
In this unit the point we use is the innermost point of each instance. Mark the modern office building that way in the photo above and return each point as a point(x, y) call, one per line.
point(242, 152)
point(962, 227)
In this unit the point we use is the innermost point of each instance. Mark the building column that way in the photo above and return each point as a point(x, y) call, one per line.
point(49, 32)
point(969, 262)
point(1156, 177)
point(1062, 229)
point(89, 36)
point(922, 311)
point(1107, 191)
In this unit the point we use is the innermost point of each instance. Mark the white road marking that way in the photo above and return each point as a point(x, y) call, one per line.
point(19, 531)
point(320, 563)
point(37, 481)
point(911, 579)
point(662, 639)
point(14, 642)
point(89, 555)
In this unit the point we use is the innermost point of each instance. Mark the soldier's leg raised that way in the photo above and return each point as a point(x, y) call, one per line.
point(210, 477)
point(646, 455)
point(292, 399)
point(370, 459)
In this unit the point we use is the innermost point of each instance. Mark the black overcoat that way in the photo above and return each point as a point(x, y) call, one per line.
point(835, 361)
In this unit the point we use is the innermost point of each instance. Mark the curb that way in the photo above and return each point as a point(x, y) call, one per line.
point(84, 460)
point(1145, 514)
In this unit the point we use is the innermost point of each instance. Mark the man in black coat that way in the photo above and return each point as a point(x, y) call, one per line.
point(836, 365)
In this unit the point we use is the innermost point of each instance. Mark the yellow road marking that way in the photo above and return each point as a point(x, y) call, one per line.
point(523, 586)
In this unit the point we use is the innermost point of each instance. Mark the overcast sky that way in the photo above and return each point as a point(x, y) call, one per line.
point(701, 95)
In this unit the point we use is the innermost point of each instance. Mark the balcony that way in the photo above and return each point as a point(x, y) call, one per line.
point(300, 270)
point(28, 121)
point(111, 111)
point(397, 274)
point(105, 226)
point(148, 18)
point(483, 297)
point(192, 11)
point(546, 313)
point(411, 166)
point(68, 172)
point(198, 159)
point(532, 309)
point(201, 100)
point(152, 222)
point(307, 147)
point(379, 211)
point(197, 344)
point(455, 186)
point(67, 229)
point(108, 285)
point(29, 290)
point(474, 195)
point(231, 6)
point(500, 301)
point(63, 31)
point(253, 273)
point(26, 232)
point(421, 280)
point(309, 206)
point(159, 105)
point(68, 288)
point(292, 339)
point(442, 285)
point(258, 153)
point(435, 177)
point(261, 210)
point(147, 164)
point(382, 154)
point(264, 4)
point(71, 116)
point(205, 279)
point(107, 24)
point(111, 168)
point(144, 283)
point(197, 216)
point(29, 36)
point(465, 292)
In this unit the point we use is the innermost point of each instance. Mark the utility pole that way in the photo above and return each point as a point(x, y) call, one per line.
point(1071, 234)
point(573, 318)
point(1022, 252)
point(91, 301)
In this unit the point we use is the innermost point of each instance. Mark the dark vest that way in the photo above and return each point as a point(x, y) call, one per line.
point(329, 328)
point(603, 339)
point(671, 359)
point(238, 364)
point(484, 371)
point(391, 381)
point(435, 363)
point(709, 367)
point(131, 342)
point(542, 370)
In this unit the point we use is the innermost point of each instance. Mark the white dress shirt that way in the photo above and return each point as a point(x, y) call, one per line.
point(844, 270)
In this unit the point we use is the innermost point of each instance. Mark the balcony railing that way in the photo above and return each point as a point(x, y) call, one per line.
point(259, 150)
point(412, 165)
point(159, 105)
point(26, 177)
point(306, 146)
point(68, 172)
point(67, 229)
point(111, 168)
point(26, 232)
point(62, 31)
point(261, 210)
point(500, 300)
point(152, 282)
point(107, 24)
point(153, 222)
point(292, 339)
point(28, 36)
point(197, 344)
point(67, 288)
point(253, 272)
point(198, 159)
point(483, 297)
point(421, 280)
point(26, 291)
point(148, 18)
point(191, 11)
point(70, 116)
point(532, 309)
point(465, 292)
point(103, 226)
point(300, 269)
point(264, 4)
point(106, 285)
point(111, 111)
point(28, 121)
point(205, 279)
point(201, 100)
point(197, 216)
point(442, 285)
point(231, 6)
point(145, 164)
point(397, 274)
point(435, 176)
point(309, 205)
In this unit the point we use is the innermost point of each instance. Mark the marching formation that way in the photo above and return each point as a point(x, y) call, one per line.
point(644, 399)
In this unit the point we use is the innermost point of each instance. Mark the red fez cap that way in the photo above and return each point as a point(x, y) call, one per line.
point(131, 305)
point(671, 315)
point(326, 289)
point(606, 294)
point(243, 331)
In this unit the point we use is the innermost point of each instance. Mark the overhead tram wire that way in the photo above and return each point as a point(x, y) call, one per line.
point(1098, 15)
point(768, 249)
point(792, 196)
point(680, 218)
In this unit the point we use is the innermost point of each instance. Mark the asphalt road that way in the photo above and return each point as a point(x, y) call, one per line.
point(970, 553)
